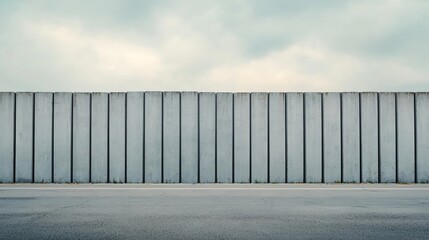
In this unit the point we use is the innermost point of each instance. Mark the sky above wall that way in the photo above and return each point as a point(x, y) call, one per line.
point(225, 45)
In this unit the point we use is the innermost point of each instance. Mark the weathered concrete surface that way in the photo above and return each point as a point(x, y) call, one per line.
point(43, 137)
point(203, 137)
point(81, 137)
point(62, 137)
point(99, 137)
point(277, 133)
point(153, 137)
point(332, 137)
point(259, 137)
point(369, 137)
point(224, 139)
point(189, 137)
point(171, 136)
point(313, 137)
point(242, 137)
point(117, 147)
point(135, 126)
point(7, 123)
point(295, 137)
point(387, 137)
point(214, 211)
point(207, 137)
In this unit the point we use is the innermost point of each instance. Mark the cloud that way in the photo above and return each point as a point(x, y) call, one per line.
point(215, 46)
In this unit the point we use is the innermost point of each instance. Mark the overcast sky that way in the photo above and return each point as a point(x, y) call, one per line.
point(229, 45)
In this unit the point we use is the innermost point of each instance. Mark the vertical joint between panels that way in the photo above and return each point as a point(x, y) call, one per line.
point(378, 140)
point(126, 137)
point(250, 137)
point(233, 140)
point(162, 137)
point(90, 138)
point(198, 140)
point(108, 137)
point(322, 113)
point(304, 146)
point(180, 137)
point(215, 138)
point(415, 138)
point(33, 138)
point(360, 138)
point(268, 137)
point(144, 138)
point(71, 138)
point(14, 138)
point(52, 138)
point(286, 138)
point(396, 138)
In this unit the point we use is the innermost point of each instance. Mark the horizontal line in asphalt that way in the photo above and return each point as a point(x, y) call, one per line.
point(218, 189)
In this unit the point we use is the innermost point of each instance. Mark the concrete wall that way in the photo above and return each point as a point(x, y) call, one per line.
point(190, 137)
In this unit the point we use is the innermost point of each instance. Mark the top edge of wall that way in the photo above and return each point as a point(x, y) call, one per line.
point(81, 92)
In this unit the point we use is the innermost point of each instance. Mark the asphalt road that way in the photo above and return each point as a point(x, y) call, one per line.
point(214, 211)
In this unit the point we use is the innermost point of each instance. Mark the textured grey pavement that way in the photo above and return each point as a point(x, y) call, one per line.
point(214, 211)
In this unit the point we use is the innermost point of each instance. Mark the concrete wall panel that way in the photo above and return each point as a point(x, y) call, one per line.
point(350, 137)
point(62, 137)
point(81, 137)
point(259, 137)
point(332, 137)
point(313, 137)
point(7, 123)
point(369, 138)
point(43, 137)
point(224, 139)
point(117, 146)
point(24, 137)
point(295, 137)
point(405, 138)
point(387, 112)
point(99, 137)
point(277, 139)
point(153, 137)
point(135, 118)
point(171, 137)
point(189, 137)
point(241, 137)
point(422, 131)
point(207, 137)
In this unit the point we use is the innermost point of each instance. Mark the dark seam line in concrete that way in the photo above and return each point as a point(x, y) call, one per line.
point(215, 138)
point(360, 138)
point(268, 137)
point(415, 138)
point(286, 138)
point(162, 137)
point(233, 138)
point(250, 137)
point(33, 137)
point(71, 138)
point(378, 139)
point(126, 137)
point(198, 141)
point(144, 138)
point(180, 137)
point(52, 138)
point(90, 138)
point(108, 137)
point(304, 146)
point(14, 139)
point(322, 112)
point(396, 138)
